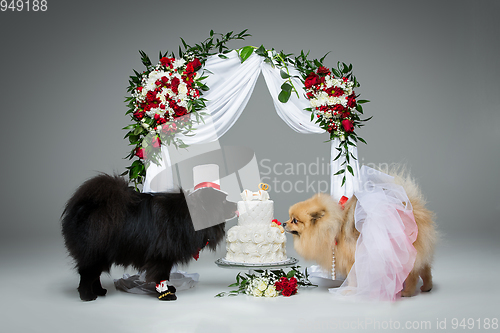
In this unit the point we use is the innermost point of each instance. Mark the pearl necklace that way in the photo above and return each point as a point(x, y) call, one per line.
point(333, 265)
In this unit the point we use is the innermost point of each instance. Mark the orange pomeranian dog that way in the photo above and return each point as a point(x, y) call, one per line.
point(320, 225)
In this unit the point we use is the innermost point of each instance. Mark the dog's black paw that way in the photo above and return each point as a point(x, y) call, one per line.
point(100, 291)
point(86, 295)
point(97, 289)
point(168, 295)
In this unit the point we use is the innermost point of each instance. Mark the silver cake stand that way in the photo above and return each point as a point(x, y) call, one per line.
point(223, 263)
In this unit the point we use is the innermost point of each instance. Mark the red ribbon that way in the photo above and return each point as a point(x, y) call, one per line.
point(207, 184)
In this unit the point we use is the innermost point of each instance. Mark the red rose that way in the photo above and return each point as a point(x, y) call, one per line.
point(278, 286)
point(345, 114)
point(141, 153)
point(156, 142)
point(166, 61)
point(175, 85)
point(139, 89)
point(293, 282)
point(311, 80)
point(193, 66)
point(180, 111)
point(323, 71)
point(338, 107)
point(196, 63)
point(276, 221)
point(351, 100)
point(170, 128)
point(189, 69)
point(347, 124)
point(287, 291)
point(139, 114)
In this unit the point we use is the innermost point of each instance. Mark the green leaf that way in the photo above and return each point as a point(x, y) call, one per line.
point(284, 96)
point(290, 274)
point(223, 56)
point(338, 156)
point(339, 172)
point(362, 140)
point(286, 86)
point(363, 101)
point(323, 58)
point(284, 74)
point(261, 51)
point(246, 52)
point(350, 170)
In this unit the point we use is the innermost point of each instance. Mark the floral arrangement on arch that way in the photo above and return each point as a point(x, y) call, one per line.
point(270, 283)
point(335, 106)
point(167, 97)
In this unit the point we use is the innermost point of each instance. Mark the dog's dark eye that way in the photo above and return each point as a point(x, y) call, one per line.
point(294, 220)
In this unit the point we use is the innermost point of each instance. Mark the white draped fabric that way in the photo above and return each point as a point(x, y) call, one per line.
point(385, 254)
point(231, 84)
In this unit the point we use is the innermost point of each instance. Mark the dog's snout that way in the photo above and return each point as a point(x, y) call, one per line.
point(284, 224)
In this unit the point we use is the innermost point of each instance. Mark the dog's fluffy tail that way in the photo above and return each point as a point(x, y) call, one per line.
point(109, 193)
point(427, 233)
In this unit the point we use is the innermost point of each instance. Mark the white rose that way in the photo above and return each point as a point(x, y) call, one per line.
point(262, 285)
point(257, 293)
point(183, 89)
point(271, 291)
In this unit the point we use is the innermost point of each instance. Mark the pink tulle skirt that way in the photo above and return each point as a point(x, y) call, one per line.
point(385, 254)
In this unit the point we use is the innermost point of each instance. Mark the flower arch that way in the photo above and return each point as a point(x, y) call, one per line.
point(197, 97)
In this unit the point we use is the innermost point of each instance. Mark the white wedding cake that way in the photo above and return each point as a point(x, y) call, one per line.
point(256, 238)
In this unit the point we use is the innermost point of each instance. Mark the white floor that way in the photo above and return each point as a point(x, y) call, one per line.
point(38, 294)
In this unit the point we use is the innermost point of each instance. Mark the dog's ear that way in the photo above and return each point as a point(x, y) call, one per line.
point(316, 215)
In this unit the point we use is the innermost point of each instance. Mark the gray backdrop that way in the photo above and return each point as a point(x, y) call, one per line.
point(429, 68)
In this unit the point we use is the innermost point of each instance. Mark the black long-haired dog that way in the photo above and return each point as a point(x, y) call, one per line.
point(106, 222)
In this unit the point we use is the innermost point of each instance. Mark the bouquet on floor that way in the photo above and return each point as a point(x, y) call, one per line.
point(269, 283)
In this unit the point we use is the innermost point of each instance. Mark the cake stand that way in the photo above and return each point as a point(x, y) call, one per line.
point(223, 263)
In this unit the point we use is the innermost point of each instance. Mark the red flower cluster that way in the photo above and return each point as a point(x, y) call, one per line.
point(288, 287)
point(152, 99)
point(276, 221)
point(315, 82)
